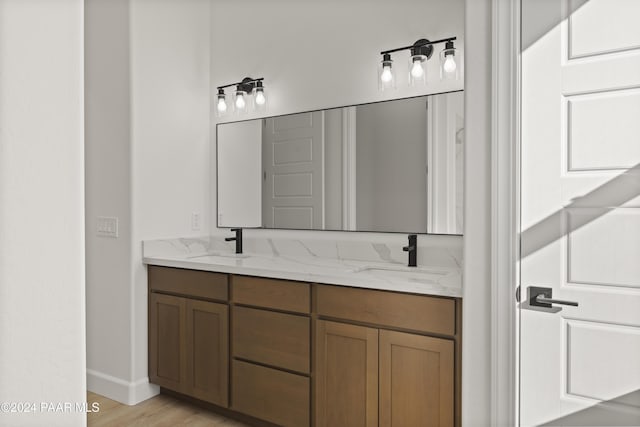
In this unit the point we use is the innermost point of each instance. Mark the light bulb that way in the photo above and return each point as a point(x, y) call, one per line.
point(260, 99)
point(416, 70)
point(386, 75)
point(240, 102)
point(449, 65)
point(222, 105)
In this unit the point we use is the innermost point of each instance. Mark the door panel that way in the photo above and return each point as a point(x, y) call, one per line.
point(593, 257)
point(208, 351)
point(604, 375)
point(167, 341)
point(580, 212)
point(416, 380)
point(293, 171)
point(346, 388)
point(602, 130)
point(584, 41)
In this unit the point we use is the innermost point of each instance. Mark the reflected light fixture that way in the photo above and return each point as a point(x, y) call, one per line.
point(421, 52)
point(249, 94)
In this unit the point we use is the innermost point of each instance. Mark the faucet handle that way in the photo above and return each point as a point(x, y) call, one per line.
point(236, 229)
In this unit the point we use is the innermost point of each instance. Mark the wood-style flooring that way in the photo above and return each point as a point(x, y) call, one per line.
point(159, 411)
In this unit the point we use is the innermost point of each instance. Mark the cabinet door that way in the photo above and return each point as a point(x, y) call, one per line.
point(346, 386)
point(416, 380)
point(167, 341)
point(207, 359)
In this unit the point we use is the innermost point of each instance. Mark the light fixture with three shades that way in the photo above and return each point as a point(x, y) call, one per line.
point(421, 51)
point(249, 95)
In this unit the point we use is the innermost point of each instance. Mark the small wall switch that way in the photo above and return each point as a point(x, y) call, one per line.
point(107, 226)
point(195, 221)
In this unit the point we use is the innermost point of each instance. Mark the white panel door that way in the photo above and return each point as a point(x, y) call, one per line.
point(580, 212)
point(293, 171)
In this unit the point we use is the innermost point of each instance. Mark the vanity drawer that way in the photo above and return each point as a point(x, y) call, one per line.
point(414, 312)
point(192, 283)
point(272, 293)
point(275, 339)
point(271, 395)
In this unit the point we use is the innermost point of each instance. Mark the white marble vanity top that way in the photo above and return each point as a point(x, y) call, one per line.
point(392, 276)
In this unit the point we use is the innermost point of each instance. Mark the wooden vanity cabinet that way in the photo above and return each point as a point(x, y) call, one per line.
point(167, 341)
point(271, 350)
point(189, 337)
point(346, 387)
point(416, 380)
point(293, 354)
point(383, 370)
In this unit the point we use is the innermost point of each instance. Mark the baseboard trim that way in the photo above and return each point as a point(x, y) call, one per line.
point(129, 393)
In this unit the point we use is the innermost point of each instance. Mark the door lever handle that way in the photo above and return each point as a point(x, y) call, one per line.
point(541, 297)
point(543, 300)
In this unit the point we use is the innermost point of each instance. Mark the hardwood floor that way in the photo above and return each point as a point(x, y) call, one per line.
point(159, 411)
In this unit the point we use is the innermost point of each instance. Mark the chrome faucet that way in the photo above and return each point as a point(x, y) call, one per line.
point(412, 248)
point(238, 239)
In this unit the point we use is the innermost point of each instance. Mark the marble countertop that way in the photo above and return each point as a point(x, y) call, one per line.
point(427, 280)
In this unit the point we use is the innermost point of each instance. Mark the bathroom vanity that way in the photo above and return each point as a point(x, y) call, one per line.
point(351, 344)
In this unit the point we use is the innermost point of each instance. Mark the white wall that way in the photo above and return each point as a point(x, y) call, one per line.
point(42, 327)
point(240, 190)
point(147, 163)
point(333, 181)
point(108, 192)
point(170, 135)
point(316, 55)
point(391, 156)
point(476, 320)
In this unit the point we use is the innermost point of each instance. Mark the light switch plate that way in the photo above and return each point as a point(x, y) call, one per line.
point(195, 221)
point(107, 226)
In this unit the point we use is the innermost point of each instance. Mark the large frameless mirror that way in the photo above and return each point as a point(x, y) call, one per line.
point(392, 166)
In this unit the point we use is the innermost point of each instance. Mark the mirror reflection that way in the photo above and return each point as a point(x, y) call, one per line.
point(394, 166)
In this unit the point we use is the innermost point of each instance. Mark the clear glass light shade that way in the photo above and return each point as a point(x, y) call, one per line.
point(259, 99)
point(221, 105)
point(417, 70)
point(240, 101)
point(386, 75)
point(449, 67)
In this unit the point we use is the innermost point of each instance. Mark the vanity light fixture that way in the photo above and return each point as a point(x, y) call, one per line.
point(249, 94)
point(386, 73)
point(421, 51)
point(260, 97)
point(221, 106)
point(448, 65)
point(240, 100)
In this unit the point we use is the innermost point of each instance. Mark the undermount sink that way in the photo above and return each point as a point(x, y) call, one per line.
point(394, 270)
point(219, 254)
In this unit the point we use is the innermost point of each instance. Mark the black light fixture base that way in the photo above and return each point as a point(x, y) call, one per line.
point(422, 47)
point(247, 84)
